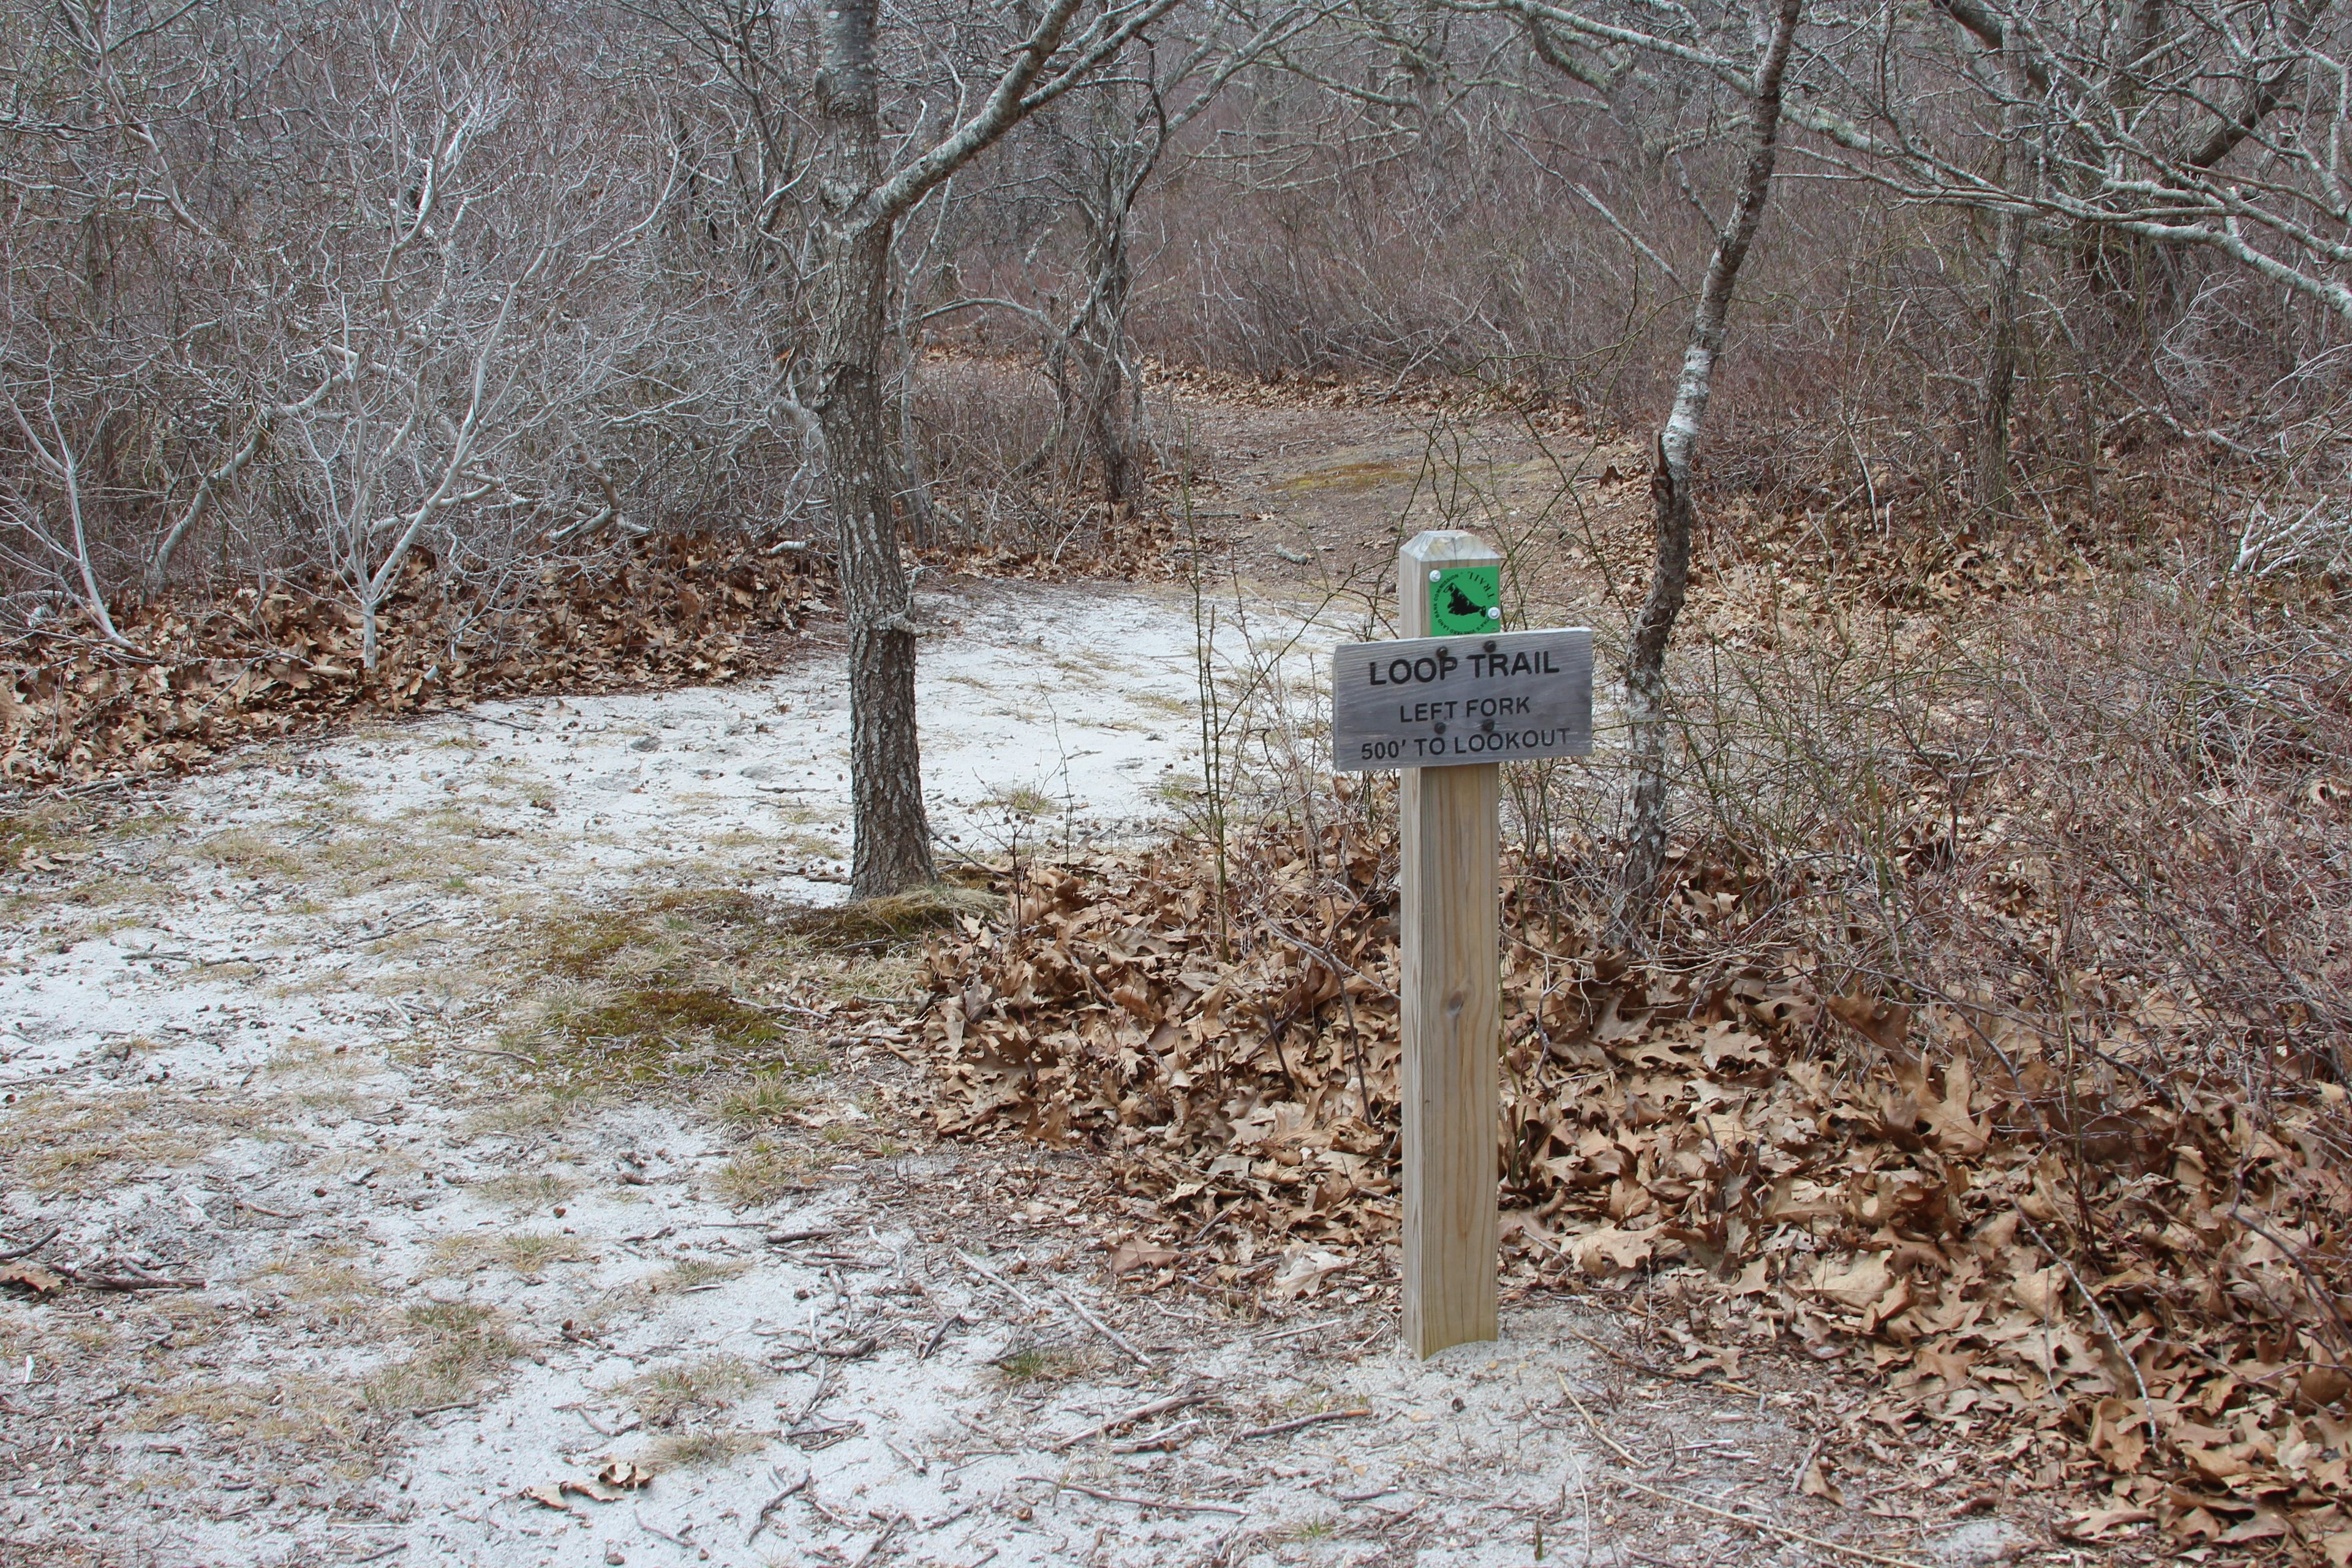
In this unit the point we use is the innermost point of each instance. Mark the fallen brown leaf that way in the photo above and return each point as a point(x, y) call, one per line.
point(624, 1473)
point(31, 1275)
point(2102, 1523)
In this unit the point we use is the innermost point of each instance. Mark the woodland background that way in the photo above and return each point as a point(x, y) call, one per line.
point(1999, 984)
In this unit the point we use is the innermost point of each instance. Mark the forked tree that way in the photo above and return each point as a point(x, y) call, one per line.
point(863, 193)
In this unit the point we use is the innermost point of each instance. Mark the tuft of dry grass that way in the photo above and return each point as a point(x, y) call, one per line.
point(293, 1411)
point(58, 1142)
point(534, 1190)
point(710, 1383)
point(767, 1100)
point(903, 915)
point(525, 1252)
point(699, 1451)
point(688, 1273)
point(459, 1346)
point(521, 1116)
point(762, 1174)
point(1037, 1363)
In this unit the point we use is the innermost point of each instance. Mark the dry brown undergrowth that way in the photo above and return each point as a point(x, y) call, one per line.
point(1993, 1042)
point(206, 676)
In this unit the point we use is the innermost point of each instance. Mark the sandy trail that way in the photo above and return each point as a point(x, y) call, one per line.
point(270, 1042)
point(252, 1040)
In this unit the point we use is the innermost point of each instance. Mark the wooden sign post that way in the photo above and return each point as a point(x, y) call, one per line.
point(1457, 686)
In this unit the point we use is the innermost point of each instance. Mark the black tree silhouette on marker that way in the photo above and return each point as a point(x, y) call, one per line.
point(1457, 603)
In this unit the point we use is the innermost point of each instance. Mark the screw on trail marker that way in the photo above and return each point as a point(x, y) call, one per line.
point(1464, 599)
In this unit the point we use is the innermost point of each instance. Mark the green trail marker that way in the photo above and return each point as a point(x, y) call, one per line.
point(1464, 599)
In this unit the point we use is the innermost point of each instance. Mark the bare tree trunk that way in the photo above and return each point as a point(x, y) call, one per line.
point(2001, 367)
point(1645, 652)
point(892, 849)
point(862, 202)
point(2009, 265)
point(1109, 397)
point(93, 595)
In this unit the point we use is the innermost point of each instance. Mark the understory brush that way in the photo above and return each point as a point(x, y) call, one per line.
point(1989, 1033)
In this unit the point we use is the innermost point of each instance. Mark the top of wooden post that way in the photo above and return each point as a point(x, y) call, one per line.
point(1425, 553)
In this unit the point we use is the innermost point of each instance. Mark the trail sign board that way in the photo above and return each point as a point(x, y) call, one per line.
point(1443, 701)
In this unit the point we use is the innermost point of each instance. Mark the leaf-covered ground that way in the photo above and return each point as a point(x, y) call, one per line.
point(262, 664)
point(2111, 1299)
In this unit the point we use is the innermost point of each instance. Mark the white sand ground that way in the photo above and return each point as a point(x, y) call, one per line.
point(242, 1039)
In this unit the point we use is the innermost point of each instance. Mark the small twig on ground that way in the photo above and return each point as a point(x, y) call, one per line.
point(811, 1233)
point(874, 1549)
point(760, 1519)
point(1105, 1330)
point(823, 1386)
point(132, 1280)
point(781, 1007)
point(678, 1541)
point(1214, 1221)
point(1128, 1418)
point(1652, 1370)
point(939, 1335)
point(273, 1214)
point(1796, 1475)
point(2319, 1290)
point(1168, 1439)
point(1334, 963)
point(590, 1421)
point(31, 1248)
point(1279, 1334)
point(494, 1051)
point(1297, 1423)
point(1161, 1503)
point(2147, 1405)
point(1782, 1531)
point(1001, 1283)
point(517, 729)
point(839, 1349)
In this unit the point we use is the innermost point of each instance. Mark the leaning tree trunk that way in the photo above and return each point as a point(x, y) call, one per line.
point(892, 849)
point(1645, 652)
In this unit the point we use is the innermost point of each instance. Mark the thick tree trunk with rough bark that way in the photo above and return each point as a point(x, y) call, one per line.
point(1108, 394)
point(892, 850)
point(1645, 651)
point(862, 201)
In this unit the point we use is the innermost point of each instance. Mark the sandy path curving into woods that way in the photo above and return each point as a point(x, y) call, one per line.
point(416, 1141)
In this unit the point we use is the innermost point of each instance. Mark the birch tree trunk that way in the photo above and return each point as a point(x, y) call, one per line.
point(1645, 652)
point(892, 850)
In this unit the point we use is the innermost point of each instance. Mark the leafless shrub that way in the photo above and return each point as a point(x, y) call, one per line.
point(2082, 821)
